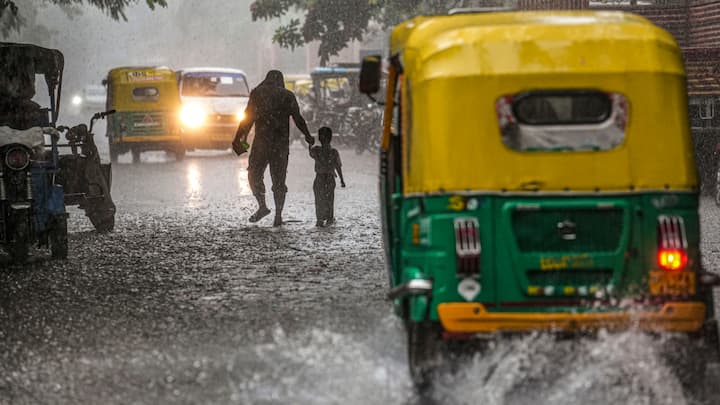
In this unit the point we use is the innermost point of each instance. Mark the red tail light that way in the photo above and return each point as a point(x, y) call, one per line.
point(672, 259)
point(672, 243)
point(17, 158)
point(467, 246)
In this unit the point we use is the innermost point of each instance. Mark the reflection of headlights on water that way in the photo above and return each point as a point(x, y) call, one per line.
point(77, 100)
point(240, 115)
point(192, 116)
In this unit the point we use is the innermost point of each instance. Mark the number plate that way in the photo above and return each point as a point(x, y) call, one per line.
point(672, 283)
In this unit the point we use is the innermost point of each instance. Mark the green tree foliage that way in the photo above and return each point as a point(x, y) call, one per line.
point(335, 23)
point(11, 10)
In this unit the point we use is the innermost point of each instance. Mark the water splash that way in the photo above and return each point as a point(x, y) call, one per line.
point(319, 366)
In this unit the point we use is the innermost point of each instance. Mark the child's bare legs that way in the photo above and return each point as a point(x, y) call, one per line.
point(323, 188)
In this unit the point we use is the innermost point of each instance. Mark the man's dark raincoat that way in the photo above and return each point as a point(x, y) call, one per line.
point(269, 109)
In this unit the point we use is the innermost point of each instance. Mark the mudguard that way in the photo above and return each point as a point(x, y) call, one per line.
point(418, 305)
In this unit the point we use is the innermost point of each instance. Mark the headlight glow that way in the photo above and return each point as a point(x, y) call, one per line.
point(240, 115)
point(77, 100)
point(192, 116)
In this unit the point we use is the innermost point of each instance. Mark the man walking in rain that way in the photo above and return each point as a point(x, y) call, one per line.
point(269, 109)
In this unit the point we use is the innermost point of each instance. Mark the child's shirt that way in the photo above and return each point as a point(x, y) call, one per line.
point(327, 159)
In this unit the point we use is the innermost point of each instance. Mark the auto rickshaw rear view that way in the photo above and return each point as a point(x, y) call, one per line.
point(39, 174)
point(146, 101)
point(537, 174)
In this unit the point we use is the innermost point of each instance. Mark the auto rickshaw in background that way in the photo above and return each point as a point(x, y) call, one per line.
point(335, 102)
point(301, 86)
point(213, 104)
point(147, 102)
point(85, 180)
point(528, 184)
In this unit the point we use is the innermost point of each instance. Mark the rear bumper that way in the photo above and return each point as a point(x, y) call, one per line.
point(474, 318)
point(148, 139)
point(209, 137)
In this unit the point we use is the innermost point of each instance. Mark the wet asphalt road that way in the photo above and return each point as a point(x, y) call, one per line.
point(188, 303)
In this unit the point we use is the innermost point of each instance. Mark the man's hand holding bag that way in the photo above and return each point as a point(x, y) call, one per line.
point(239, 144)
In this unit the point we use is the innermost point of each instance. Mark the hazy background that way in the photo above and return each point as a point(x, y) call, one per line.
point(187, 33)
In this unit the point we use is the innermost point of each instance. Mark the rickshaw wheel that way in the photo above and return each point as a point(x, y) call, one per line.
point(113, 153)
point(58, 238)
point(424, 352)
point(696, 364)
point(19, 247)
point(135, 155)
point(180, 153)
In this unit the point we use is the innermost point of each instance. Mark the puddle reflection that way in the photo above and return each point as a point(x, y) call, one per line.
point(242, 179)
point(194, 185)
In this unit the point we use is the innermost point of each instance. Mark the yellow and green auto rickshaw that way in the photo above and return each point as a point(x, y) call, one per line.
point(146, 101)
point(537, 174)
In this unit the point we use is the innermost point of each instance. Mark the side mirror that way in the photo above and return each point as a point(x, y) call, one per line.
point(104, 82)
point(370, 74)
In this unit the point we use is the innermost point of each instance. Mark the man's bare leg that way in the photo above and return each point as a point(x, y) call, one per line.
point(262, 210)
point(279, 204)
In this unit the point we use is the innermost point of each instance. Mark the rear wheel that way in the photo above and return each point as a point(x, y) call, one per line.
point(180, 153)
point(695, 362)
point(424, 352)
point(113, 152)
point(135, 155)
point(20, 244)
point(58, 238)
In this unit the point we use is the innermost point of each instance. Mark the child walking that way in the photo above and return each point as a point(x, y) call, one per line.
point(327, 162)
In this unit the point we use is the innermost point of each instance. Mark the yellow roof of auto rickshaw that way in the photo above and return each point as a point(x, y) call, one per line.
point(123, 74)
point(423, 38)
point(458, 66)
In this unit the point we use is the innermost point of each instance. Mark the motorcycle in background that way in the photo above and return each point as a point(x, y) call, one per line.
point(85, 179)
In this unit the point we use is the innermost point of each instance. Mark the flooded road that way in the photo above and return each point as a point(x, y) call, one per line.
point(186, 302)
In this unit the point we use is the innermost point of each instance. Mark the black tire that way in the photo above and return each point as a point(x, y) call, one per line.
point(424, 353)
point(113, 152)
point(180, 154)
point(135, 155)
point(695, 361)
point(58, 238)
point(102, 221)
point(19, 246)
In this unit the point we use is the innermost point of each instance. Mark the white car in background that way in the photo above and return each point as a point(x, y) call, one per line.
point(91, 99)
point(213, 103)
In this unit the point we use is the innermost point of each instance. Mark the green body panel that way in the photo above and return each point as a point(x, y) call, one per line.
point(614, 248)
point(142, 123)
